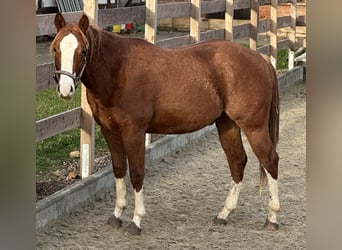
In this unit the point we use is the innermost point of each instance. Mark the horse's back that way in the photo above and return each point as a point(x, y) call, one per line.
point(191, 87)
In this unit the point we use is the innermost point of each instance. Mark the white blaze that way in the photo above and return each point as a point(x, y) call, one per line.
point(68, 46)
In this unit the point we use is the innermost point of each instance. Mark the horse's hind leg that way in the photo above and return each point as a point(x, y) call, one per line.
point(230, 138)
point(134, 142)
point(264, 149)
point(119, 163)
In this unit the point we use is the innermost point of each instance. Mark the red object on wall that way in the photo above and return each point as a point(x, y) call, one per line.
point(129, 26)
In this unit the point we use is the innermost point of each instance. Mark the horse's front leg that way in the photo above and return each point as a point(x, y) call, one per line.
point(118, 155)
point(134, 142)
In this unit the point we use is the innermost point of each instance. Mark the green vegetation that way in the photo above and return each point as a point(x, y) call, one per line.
point(282, 62)
point(51, 152)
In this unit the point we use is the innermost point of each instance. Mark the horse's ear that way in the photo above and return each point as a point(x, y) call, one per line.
point(59, 21)
point(84, 23)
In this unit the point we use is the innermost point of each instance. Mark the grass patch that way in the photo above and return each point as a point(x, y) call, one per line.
point(52, 152)
point(49, 103)
point(282, 60)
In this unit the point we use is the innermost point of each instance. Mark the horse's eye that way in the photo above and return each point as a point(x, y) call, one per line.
point(84, 52)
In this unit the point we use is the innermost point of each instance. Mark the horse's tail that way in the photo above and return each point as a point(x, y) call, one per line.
point(273, 123)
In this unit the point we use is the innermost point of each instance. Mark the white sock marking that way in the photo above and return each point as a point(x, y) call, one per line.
point(139, 210)
point(273, 205)
point(231, 201)
point(120, 202)
point(68, 46)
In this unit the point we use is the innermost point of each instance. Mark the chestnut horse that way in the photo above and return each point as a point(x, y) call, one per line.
point(134, 87)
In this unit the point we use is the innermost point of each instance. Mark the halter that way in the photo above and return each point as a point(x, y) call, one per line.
point(77, 78)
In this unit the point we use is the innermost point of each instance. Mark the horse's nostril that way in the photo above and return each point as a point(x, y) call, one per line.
point(71, 89)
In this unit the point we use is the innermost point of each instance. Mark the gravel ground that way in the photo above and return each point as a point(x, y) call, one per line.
point(184, 191)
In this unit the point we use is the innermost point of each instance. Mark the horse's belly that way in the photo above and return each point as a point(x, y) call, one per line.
point(183, 117)
point(178, 128)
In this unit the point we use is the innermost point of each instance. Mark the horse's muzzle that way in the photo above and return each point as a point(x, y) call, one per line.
point(67, 95)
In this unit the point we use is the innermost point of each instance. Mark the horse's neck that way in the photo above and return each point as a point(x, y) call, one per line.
point(99, 71)
point(102, 43)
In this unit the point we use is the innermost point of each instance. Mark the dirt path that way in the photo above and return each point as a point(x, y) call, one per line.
point(185, 190)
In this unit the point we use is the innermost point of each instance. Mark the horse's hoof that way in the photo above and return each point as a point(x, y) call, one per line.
point(218, 221)
point(114, 222)
point(271, 225)
point(132, 229)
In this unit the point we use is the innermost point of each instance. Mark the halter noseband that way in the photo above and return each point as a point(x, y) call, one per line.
point(77, 78)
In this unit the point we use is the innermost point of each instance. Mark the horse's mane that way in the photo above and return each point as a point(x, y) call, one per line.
point(94, 37)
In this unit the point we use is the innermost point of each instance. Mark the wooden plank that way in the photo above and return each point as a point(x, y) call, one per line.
point(195, 21)
point(182, 41)
point(283, 44)
point(263, 2)
point(168, 10)
point(175, 42)
point(242, 4)
point(44, 80)
point(228, 21)
point(213, 6)
point(284, 21)
point(254, 24)
point(264, 25)
point(264, 49)
point(241, 31)
point(213, 34)
point(134, 14)
point(57, 124)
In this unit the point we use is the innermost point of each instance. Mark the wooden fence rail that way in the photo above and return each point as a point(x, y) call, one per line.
point(142, 14)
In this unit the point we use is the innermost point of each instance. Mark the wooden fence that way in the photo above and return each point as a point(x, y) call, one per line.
point(150, 14)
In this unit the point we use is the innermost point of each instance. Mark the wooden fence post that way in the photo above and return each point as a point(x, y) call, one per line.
point(151, 21)
point(253, 38)
point(292, 36)
point(87, 122)
point(228, 20)
point(195, 21)
point(273, 33)
point(151, 24)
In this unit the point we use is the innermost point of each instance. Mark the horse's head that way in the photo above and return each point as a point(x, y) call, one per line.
point(70, 47)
